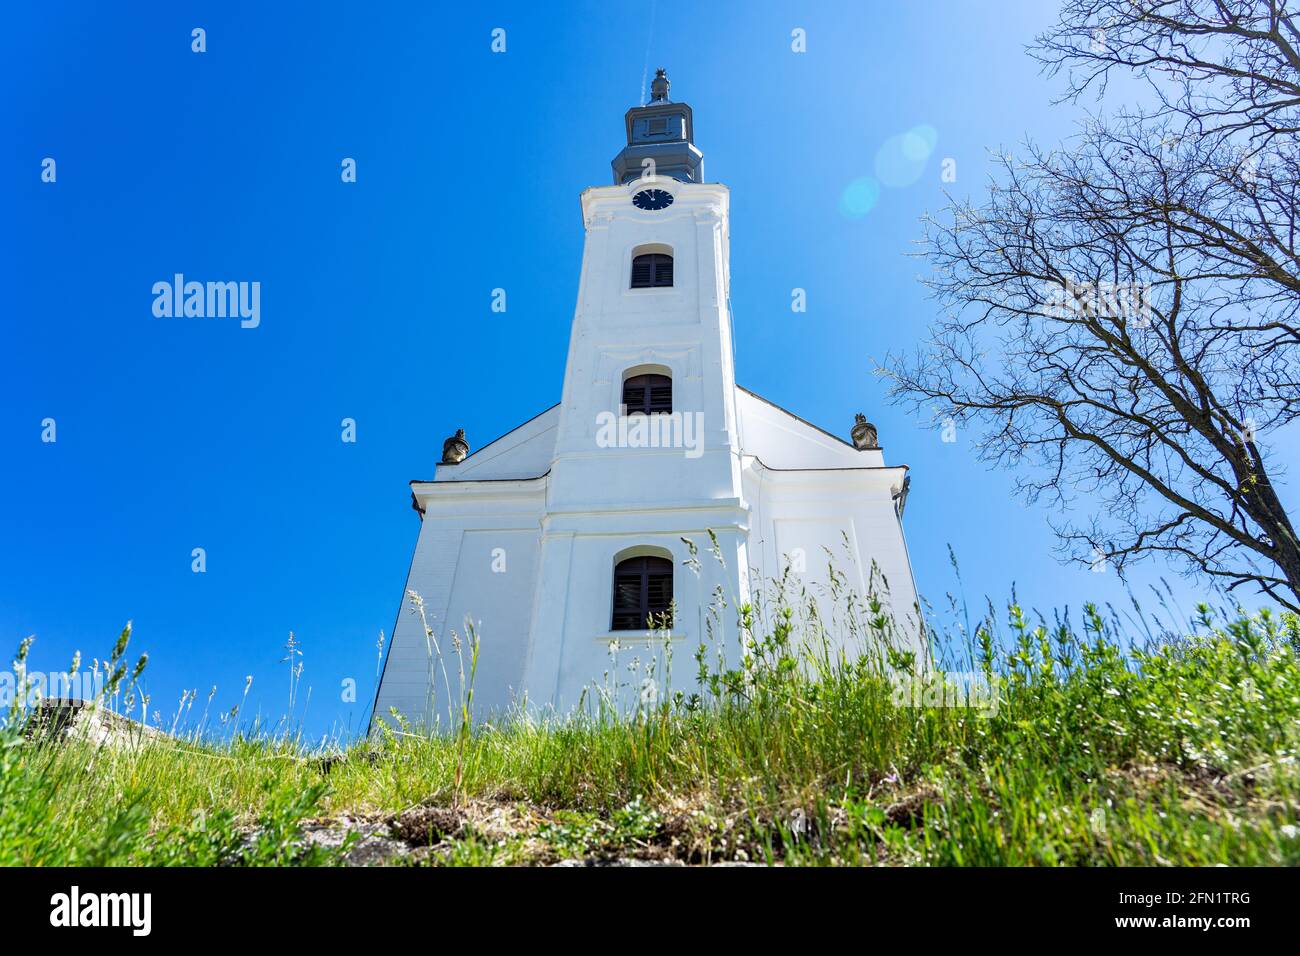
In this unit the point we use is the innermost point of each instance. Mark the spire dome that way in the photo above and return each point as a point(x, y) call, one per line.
point(660, 139)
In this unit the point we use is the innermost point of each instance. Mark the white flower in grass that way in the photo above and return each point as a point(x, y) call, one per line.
point(649, 691)
point(798, 822)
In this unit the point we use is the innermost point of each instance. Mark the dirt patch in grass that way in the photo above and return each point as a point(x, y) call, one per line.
point(426, 825)
point(909, 811)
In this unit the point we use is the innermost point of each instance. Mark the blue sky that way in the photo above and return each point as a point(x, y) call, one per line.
point(376, 296)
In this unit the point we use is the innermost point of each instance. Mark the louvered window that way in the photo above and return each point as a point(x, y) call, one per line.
point(658, 125)
point(648, 394)
point(654, 270)
point(643, 591)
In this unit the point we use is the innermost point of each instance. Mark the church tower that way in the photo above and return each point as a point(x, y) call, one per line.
point(656, 491)
point(652, 316)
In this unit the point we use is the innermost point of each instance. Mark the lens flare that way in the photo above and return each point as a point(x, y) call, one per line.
point(901, 159)
point(859, 197)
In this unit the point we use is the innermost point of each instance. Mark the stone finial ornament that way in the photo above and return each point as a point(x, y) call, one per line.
point(659, 86)
point(864, 434)
point(455, 448)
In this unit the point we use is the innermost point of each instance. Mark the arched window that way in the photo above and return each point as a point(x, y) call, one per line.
point(652, 270)
point(648, 394)
point(643, 591)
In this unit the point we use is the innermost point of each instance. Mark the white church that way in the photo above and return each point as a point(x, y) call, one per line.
point(570, 532)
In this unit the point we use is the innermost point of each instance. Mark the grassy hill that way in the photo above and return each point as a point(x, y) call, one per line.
point(1054, 745)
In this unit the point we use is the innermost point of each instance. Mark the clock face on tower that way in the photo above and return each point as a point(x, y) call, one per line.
point(652, 199)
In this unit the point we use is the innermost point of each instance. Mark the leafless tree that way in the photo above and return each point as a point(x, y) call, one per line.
point(1217, 66)
point(1121, 313)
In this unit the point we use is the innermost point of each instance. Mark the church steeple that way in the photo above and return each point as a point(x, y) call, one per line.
point(661, 131)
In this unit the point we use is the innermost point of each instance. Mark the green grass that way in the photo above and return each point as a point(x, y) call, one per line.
point(1181, 753)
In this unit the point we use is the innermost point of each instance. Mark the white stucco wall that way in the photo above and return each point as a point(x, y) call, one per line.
point(812, 520)
point(476, 557)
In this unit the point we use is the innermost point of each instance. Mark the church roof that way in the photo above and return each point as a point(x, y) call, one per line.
point(787, 411)
point(782, 441)
point(775, 435)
